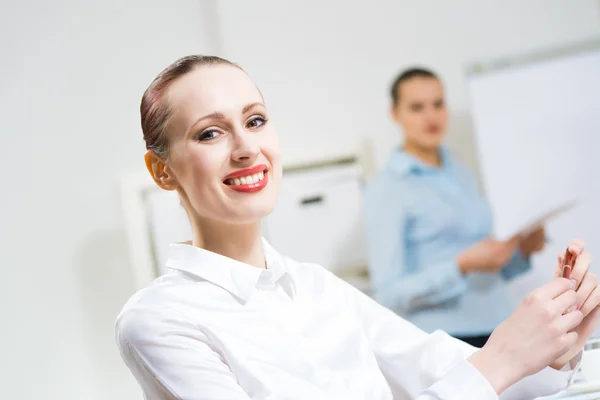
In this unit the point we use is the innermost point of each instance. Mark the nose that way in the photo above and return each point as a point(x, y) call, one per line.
point(245, 149)
point(431, 113)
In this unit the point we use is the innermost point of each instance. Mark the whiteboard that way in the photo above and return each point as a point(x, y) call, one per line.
point(536, 124)
point(537, 127)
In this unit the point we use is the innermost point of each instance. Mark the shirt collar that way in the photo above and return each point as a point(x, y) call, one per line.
point(238, 278)
point(403, 163)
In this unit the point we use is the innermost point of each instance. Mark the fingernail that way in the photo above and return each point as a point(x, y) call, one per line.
point(574, 283)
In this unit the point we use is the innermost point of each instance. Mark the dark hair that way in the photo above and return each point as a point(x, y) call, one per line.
point(407, 75)
point(154, 110)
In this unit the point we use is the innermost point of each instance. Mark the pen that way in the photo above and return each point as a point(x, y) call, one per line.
point(568, 264)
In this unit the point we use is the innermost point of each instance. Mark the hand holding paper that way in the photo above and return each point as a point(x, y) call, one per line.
point(487, 255)
point(533, 242)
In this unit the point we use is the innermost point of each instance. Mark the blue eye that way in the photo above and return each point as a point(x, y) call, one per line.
point(208, 135)
point(256, 122)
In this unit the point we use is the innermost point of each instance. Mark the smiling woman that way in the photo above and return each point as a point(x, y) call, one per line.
point(234, 319)
point(212, 136)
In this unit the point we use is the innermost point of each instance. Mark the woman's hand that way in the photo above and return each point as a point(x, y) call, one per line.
point(588, 299)
point(549, 328)
point(533, 243)
point(539, 332)
point(487, 255)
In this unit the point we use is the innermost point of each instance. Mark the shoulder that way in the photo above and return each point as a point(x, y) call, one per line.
point(158, 307)
point(143, 307)
point(387, 197)
point(386, 184)
point(459, 168)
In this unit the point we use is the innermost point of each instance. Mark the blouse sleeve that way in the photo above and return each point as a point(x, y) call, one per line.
point(434, 366)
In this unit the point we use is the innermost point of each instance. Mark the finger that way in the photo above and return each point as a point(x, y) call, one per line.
point(555, 288)
point(569, 340)
point(565, 302)
point(541, 243)
point(576, 246)
point(592, 302)
point(593, 318)
point(582, 265)
point(569, 321)
point(539, 233)
point(588, 285)
point(513, 243)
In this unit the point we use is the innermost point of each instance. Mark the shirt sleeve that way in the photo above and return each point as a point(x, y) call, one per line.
point(434, 366)
point(173, 360)
point(396, 285)
point(517, 265)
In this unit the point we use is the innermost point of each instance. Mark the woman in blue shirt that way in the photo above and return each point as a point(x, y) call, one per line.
point(431, 258)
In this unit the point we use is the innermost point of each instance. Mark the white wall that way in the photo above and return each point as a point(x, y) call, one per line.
point(325, 67)
point(72, 75)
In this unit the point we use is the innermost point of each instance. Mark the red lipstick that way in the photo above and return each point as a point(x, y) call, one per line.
point(248, 180)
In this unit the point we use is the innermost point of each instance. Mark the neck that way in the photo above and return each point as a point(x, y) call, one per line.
point(430, 156)
point(239, 242)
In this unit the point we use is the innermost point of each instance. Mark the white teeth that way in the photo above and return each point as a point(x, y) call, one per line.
point(246, 180)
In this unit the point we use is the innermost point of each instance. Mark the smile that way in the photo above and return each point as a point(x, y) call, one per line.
point(249, 179)
point(246, 180)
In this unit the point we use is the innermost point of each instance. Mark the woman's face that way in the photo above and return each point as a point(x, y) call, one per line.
point(421, 111)
point(224, 156)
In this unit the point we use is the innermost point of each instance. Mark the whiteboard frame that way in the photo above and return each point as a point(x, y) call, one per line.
point(497, 64)
point(136, 186)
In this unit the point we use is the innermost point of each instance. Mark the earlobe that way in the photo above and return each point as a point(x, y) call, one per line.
point(159, 171)
point(394, 113)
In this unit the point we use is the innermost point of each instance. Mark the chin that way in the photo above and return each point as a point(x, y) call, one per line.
point(432, 143)
point(255, 216)
point(251, 211)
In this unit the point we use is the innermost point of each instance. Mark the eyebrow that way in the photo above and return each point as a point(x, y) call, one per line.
point(218, 115)
point(250, 106)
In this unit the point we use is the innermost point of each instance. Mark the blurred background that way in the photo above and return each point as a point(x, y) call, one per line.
point(72, 76)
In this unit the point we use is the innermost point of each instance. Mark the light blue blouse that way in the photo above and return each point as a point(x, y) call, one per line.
point(418, 219)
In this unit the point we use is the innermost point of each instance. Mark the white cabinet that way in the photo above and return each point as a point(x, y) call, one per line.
point(319, 218)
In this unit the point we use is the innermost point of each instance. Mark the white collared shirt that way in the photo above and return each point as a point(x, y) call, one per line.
point(216, 328)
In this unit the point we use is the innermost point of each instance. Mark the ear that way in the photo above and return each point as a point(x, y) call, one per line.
point(160, 171)
point(395, 113)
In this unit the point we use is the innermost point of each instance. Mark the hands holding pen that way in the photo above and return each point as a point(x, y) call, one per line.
point(587, 294)
point(549, 328)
